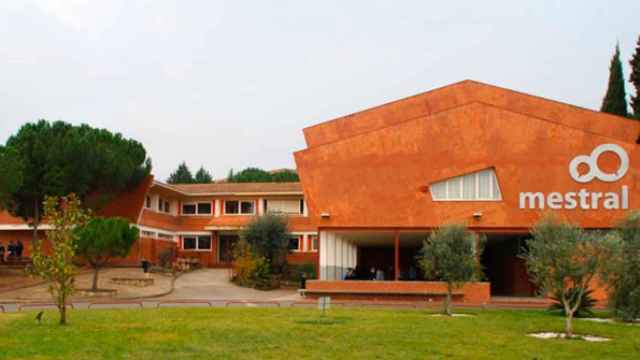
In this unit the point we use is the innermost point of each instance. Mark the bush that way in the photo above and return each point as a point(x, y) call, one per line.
point(268, 237)
point(166, 257)
point(293, 272)
point(584, 309)
point(250, 270)
point(623, 270)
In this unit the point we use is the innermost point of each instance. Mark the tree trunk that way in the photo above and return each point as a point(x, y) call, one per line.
point(36, 222)
point(62, 307)
point(94, 287)
point(568, 325)
point(447, 300)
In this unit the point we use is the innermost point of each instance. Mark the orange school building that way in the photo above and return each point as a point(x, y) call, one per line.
point(375, 183)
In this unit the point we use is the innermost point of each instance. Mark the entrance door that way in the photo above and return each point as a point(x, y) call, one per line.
point(504, 268)
point(226, 243)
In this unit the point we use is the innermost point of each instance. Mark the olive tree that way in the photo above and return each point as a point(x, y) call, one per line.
point(451, 254)
point(622, 271)
point(102, 239)
point(64, 214)
point(564, 259)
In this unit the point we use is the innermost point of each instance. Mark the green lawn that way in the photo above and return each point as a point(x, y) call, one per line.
point(347, 333)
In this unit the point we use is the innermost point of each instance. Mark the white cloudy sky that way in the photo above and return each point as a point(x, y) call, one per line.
point(230, 84)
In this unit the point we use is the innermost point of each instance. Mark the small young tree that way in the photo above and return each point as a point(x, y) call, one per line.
point(451, 254)
point(563, 259)
point(623, 270)
point(102, 239)
point(64, 214)
point(269, 237)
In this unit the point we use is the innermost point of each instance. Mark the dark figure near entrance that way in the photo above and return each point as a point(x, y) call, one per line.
point(372, 274)
point(11, 250)
point(1, 252)
point(19, 248)
point(350, 275)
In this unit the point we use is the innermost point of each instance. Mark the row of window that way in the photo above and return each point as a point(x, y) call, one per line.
point(234, 207)
point(203, 242)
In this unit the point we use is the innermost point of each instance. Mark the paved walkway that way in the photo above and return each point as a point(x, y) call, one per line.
point(214, 284)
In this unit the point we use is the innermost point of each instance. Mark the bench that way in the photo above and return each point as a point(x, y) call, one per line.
point(383, 292)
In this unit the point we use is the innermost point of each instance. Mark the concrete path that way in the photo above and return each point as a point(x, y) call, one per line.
point(214, 284)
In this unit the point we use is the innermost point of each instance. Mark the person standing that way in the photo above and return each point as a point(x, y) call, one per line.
point(19, 248)
point(1, 252)
point(11, 248)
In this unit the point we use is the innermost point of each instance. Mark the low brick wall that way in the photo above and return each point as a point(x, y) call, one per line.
point(476, 293)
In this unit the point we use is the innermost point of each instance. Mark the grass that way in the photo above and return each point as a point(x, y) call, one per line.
point(259, 333)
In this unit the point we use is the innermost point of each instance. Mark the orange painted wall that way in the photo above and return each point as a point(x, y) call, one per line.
point(376, 179)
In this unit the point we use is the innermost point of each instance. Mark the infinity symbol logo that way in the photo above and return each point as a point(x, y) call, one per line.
point(592, 162)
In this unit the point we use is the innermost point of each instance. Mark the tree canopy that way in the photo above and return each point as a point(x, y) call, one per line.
point(102, 239)
point(634, 79)
point(183, 175)
point(253, 174)
point(57, 158)
point(268, 236)
point(615, 100)
point(203, 176)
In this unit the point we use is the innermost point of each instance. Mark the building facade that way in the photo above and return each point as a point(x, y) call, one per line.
point(374, 184)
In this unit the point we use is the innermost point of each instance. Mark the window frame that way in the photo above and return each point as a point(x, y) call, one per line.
point(299, 207)
point(493, 185)
point(317, 240)
point(239, 213)
point(197, 210)
point(297, 237)
point(197, 243)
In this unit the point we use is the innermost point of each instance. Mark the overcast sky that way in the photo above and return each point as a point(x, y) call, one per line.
point(231, 84)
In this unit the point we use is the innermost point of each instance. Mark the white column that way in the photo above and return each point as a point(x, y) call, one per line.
point(216, 208)
point(260, 206)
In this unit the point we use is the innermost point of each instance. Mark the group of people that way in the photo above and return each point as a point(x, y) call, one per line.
point(359, 274)
point(13, 250)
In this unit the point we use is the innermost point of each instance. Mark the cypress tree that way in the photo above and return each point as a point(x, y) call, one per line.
point(615, 101)
point(635, 80)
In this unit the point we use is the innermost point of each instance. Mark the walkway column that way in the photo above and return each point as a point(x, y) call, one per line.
point(397, 255)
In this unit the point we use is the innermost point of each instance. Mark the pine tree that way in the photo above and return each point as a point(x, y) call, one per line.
point(635, 80)
point(203, 176)
point(615, 101)
point(182, 175)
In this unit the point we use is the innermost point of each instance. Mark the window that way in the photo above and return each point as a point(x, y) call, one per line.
point(199, 242)
point(291, 207)
point(294, 244)
point(314, 242)
point(201, 208)
point(189, 209)
point(160, 204)
point(477, 186)
point(239, 207)
point(165, 236)
point(147, 234)
point(147, 203)
point(167, 207)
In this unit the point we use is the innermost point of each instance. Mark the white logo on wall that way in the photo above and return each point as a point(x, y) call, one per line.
point(592, 163)
point(582, 198)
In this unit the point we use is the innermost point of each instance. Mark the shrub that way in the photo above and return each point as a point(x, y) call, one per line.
point(584, 308)
point(250, 270)
point(166, 257)
point(294, 271)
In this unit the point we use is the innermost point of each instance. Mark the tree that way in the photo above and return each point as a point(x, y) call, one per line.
point(269, 237)
point(451, 254)
point(102, 239)
point(253, 174)
point(64, 214)
point(56, 159)
point(182, 175)
point(623, 270)
point(563, 259)
point(615, 101)
point(203, 176)
point(635, 80)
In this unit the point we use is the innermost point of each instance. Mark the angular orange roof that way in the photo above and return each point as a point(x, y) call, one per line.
point(464, 93)
point(235, 188)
